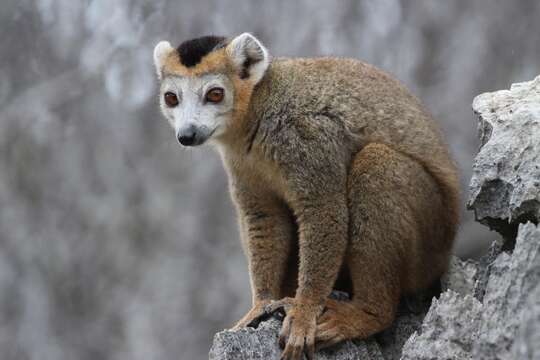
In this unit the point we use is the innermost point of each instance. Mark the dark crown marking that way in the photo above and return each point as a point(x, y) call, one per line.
point(192, 51)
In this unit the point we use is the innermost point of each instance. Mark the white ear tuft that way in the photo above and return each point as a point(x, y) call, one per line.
point(162, 49)
point(249, 56)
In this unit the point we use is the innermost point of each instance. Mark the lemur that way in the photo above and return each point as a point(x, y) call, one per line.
point(340, 177)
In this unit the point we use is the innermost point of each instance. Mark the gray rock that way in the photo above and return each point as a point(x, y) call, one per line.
point(262, 344)
point(461, 276)
point(448, 331)
point(248, 343)
point(505, 323)
point(484, 268)
point(505, 186)
point(511, 281)
point(527, 344)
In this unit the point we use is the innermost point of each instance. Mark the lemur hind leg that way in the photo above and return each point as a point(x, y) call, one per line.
point(393, 206)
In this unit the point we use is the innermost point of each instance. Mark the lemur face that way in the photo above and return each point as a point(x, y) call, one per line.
point(206, 83)
point(197, 107)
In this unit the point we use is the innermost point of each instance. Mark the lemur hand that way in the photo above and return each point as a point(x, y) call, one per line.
point(297, 334)
point(254, 316)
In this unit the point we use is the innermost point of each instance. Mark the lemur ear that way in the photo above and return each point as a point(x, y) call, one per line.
point(249, 56)
point(162, 49)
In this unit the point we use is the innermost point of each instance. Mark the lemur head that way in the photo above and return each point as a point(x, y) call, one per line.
point(206, 83)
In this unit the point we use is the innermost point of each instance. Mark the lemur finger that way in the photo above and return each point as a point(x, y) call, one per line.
point(282, 305)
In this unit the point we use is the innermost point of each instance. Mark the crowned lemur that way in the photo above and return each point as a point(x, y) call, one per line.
point(340, 177)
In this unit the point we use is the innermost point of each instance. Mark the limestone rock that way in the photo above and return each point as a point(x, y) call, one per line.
point(448, 331)
point(262, 344)
point(507, 320)
point(461, 276)
point(527, 344)
point(505, 186)
point(511, 282)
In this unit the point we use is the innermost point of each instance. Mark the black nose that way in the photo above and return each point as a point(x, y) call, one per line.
point(187, 137)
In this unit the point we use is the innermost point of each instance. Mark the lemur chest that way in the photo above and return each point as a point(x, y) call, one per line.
point(261, 173)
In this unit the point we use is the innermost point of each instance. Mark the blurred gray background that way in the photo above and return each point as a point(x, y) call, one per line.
point(115, 243)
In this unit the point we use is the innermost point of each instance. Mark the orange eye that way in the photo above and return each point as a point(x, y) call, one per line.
point(215, 95)
point(170, 99)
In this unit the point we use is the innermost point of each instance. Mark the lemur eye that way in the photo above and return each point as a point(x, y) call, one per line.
point(215, 95)
point(170, 99)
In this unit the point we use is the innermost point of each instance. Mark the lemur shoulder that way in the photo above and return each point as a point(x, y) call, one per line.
point(340, 177)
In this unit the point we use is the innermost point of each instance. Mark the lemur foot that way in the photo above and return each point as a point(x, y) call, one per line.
point(332, 326)
point(347, 320)
point(337, 323)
